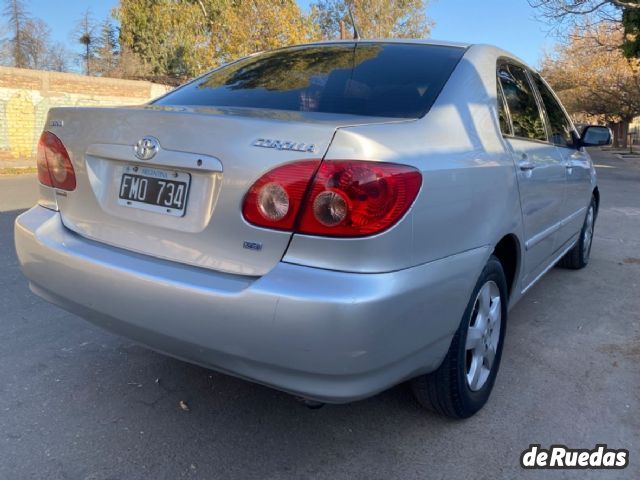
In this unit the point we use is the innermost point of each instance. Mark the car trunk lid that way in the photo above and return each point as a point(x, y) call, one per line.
point(216, 153)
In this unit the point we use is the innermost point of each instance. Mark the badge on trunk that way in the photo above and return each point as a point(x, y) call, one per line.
point(146, 148)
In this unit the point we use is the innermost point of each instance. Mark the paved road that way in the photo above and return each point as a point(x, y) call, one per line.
point(79, 403)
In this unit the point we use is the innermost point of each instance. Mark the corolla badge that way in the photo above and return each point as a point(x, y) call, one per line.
point(146, 148)
point(284, 145)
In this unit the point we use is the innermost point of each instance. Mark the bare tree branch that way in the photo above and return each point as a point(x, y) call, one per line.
point(622, 4)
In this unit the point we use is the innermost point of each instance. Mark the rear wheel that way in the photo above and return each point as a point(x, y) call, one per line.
point(462, 384)
point(578, 256)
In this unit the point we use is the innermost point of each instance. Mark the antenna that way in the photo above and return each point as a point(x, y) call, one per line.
point(356, 35)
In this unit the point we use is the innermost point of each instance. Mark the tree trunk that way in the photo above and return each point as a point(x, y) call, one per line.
point(87, 60)
point(620, 133)
point(624, 133)
point(615, 128)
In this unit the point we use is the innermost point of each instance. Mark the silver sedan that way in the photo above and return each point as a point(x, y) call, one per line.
point(327, 219)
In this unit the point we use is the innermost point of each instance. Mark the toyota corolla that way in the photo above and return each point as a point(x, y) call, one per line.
point(328, 219)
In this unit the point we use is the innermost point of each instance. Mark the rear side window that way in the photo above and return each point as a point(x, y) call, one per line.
point(376, 79)
point(561, 127)
point(523, 108)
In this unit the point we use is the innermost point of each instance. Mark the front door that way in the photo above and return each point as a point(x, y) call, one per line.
point(576, 163)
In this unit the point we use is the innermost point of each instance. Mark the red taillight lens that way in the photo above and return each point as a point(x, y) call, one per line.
point(275, 199)
point(352, 198)
point(54, 165)
point(44, 177)
point(346, 198)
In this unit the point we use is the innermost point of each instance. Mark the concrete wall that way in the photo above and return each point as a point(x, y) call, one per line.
point(27, 95)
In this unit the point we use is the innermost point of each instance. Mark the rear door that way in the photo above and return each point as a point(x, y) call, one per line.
point(540, 172)
point(576, 162)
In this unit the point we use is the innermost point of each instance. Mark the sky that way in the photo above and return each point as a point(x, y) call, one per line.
point(509, 24)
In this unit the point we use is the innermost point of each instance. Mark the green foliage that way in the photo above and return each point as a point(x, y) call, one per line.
point(107, 49)
point(169, 41)
point(166, 35)
point(180, 39)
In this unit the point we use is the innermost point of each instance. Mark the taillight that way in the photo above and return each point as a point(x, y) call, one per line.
point(345, 198)
point(358, 198)
point(275, 199)
point(54, 165)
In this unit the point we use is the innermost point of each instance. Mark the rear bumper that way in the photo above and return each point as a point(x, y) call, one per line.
point(325, 335)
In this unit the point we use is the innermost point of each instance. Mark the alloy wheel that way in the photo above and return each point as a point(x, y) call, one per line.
point(587, 236)
point(483, 335)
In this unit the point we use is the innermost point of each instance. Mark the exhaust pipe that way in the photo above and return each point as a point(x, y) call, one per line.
point(310, 404)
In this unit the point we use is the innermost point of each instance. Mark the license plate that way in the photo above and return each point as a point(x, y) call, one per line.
point(154, 190)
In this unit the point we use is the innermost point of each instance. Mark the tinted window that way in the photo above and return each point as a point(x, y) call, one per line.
point(559, 123)
point(391, 80)
point(524, 111)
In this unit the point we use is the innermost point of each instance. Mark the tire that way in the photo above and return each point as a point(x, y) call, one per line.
point(453, 390)
point(578, 256)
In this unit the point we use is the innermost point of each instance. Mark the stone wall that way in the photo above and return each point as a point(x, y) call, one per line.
point(27, 95)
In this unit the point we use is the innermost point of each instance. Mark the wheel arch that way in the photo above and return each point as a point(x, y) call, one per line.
point(508, 252)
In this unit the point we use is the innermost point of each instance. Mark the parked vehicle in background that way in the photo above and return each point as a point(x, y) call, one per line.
point(328, 219)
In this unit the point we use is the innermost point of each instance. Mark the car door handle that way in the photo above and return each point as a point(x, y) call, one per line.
point(526, 165)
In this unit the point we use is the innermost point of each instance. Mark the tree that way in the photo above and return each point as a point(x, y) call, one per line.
point(129, 65)
point(592, 77)
point(248, 26)
point(107, 50)
point(17, 18)
point(373, 18)
point(37, 41)
point(631, 23)
point(58, 58)
point(566, 8)
point(166, 36)
point(85, 35)
point(30, 43)
point(563, 14)
point(177, 40)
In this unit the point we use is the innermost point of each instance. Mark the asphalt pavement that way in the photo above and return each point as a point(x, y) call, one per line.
point(79, 403)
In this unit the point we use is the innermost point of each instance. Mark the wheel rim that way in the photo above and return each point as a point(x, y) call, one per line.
point(587, 236)
point(483, 335)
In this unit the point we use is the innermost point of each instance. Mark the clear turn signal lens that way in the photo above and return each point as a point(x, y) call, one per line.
point(330, 208)
point(273, 202)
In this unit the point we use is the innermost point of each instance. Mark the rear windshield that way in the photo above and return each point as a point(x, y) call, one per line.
point(375, 79)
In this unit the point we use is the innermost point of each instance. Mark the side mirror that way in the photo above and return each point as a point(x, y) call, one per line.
point(596, 136)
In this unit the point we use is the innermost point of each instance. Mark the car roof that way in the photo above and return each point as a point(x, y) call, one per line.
point(477, 47)
point(428, 41)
